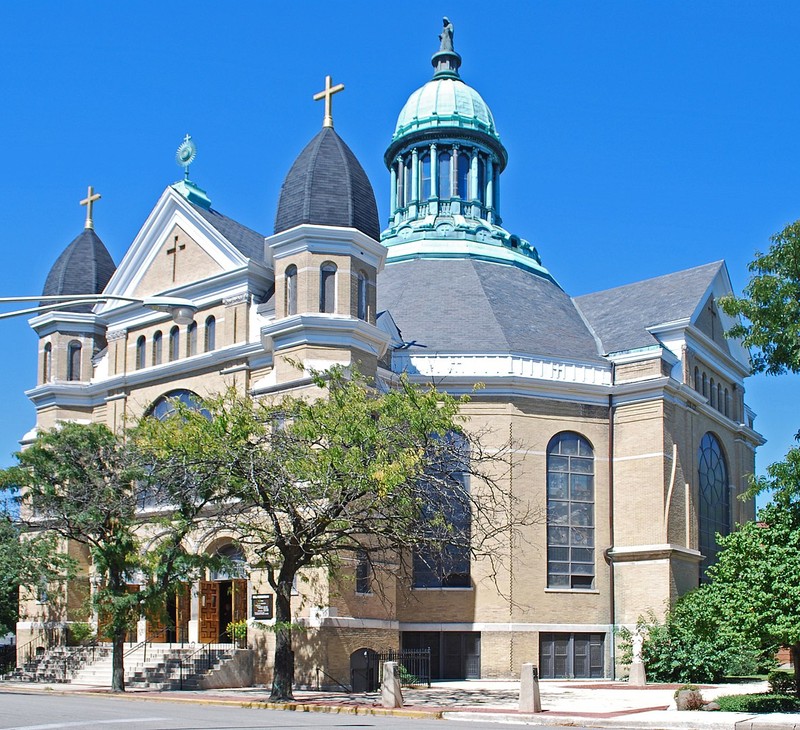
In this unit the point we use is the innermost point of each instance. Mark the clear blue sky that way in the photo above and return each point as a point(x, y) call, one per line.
point(644, 137)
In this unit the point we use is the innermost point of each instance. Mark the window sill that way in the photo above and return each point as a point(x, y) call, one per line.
point(442, 588)
point(590, 591)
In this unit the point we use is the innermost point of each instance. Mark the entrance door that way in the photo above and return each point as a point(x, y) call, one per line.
point(454, 654)
point(209, 611)
point(564, 656)
point(221, 602)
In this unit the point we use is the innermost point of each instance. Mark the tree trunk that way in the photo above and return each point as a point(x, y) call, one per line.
point(283, 676)
point(796, 666)
point(118, 668)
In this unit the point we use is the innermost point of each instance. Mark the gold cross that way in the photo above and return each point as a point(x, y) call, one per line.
point(174, 253)
point(87, 201)
point(327, 94)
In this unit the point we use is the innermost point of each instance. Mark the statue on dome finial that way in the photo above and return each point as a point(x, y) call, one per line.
point(446, 36)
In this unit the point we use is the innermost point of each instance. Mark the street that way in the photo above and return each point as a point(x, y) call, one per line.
point(30, 711)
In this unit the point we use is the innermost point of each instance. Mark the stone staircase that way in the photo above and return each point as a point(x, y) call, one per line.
point(158, 667)
point(59, 663)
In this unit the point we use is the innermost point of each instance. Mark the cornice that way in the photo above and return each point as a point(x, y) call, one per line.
point(324, 330)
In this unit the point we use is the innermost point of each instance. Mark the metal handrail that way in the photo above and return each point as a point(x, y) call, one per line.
point(205, 652)
point(143, 644)
point(336, 681)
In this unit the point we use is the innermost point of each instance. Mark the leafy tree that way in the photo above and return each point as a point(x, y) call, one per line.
point(353, 469)
point(87, 484)
point(771, 306)
point(750, 607)
point(29, 564)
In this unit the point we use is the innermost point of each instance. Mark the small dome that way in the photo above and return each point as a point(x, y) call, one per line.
point(445, 102)
point(84, 267)
point(327, 186)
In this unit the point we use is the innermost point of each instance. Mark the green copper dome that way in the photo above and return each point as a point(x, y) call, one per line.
point(445, 102)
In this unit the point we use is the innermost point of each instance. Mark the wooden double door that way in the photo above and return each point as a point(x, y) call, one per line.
point(171, 624)
point(221, 602)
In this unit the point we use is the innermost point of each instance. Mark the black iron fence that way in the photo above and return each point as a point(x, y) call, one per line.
point(366, 668)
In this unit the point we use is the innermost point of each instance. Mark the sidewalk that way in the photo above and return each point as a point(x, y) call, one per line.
point(593, 704)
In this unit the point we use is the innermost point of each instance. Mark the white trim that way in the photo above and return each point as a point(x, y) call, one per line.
point(326, 241)
point(347, 622)
point(481, 366)
point(323, 329)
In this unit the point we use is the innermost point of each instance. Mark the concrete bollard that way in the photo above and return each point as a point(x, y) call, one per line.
point(529, 699)
point(637, 676)
point(391, 694)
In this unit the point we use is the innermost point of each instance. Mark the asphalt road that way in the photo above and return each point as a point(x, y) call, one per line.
point(27, 711)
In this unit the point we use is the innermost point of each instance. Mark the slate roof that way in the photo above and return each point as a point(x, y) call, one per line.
point(249, 242)
point(469, 306)
point(326, 185)
point(620, 316)
point(84, 267)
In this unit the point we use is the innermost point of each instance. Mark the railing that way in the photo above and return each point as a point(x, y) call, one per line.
point(205, 657)
point(149, 641)
point(8, 658)
point(414, 665)
point(320, 670)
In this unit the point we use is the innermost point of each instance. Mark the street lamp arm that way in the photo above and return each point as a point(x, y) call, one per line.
point(182, 310)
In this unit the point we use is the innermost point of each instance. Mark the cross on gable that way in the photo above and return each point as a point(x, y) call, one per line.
point(713, 312)
point(327, 94)
point(91, 196)
point(174, 253)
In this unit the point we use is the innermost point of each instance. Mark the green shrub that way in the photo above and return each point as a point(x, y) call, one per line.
point(781, 683)
point(759, 703)
point(406, 678)
point(79, 633)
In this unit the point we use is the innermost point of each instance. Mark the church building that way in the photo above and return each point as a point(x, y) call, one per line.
point(626, 406)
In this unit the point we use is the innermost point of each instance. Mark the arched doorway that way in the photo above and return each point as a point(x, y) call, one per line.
point(364, 670)
point(223, 597)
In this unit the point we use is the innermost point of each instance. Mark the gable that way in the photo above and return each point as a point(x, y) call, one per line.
point(710, 322)
point(178, 260)
point(148, 266)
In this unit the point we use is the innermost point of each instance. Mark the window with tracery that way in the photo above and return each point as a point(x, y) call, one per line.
point(714, 505)
point(570, 512)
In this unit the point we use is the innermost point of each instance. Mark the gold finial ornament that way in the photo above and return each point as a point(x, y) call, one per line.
point(91, 196)
point(327, 94)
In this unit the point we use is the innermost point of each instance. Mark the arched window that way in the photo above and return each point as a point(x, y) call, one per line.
point(141, 352)
point(235, 563)
point(697, 384)
point(705, 385)
point(408, 171)
point(327, 287)
point(174, 343)
point(713, 394)
point(362, 295)
point(211, 333)
point(191, 339)
point(47, 362)
point(291, 290)
point(425, 177)
point(570, 512)
point(445, 190)
point(720, 404)
point(727, 403)
point(480, 193)
point(448, 513)
point(158, 348)
point(713, 506)
point(164, 405)
point(463, 176)
point(74, 360)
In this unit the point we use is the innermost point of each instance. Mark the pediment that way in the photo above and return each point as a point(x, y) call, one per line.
point(709, 318)
point(175, 247)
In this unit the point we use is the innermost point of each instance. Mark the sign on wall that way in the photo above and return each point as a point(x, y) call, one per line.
point(261, 606)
